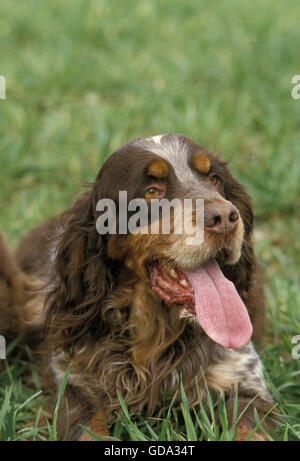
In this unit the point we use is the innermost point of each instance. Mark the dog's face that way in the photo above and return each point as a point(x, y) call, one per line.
point(172, 167)
point(164, 168)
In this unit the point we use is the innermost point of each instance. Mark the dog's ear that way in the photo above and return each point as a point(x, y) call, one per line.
point(82, 276)
point(241, 273)
point(246, 273)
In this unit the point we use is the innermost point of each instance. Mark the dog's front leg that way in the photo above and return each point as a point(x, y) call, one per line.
point(74, 412)
point(242, 370)
point(98, 426)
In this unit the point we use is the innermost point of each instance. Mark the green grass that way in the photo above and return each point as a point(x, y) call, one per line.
point(85, 76)
point(183, 424)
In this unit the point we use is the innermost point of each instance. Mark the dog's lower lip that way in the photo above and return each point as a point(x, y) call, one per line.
point(172, 285)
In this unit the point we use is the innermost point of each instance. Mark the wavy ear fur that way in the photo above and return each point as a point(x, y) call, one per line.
point(241, 273)
point(246, 273)
point(83, 276)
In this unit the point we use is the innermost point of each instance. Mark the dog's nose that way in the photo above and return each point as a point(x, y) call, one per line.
point(220, 217)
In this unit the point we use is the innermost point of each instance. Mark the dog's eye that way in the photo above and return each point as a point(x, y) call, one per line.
point(152, 193)
point(214, 179)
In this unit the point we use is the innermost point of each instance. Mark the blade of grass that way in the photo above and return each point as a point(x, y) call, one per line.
point(190, 428)
point(53, 432)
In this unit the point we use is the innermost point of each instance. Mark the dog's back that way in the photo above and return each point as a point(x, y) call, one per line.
point(21, 299)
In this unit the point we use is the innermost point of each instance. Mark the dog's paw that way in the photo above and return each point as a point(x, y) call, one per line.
point(244, 428)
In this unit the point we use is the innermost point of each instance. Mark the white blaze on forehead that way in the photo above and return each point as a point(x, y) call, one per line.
point(174, 149)
point(157, 138)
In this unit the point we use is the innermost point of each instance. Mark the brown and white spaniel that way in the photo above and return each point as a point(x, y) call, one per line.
point(135, 312)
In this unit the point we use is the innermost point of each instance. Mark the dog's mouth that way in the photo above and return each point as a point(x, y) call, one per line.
point(207, 295)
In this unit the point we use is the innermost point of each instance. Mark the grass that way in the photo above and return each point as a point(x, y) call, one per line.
point(82, 77)
point(183, 424)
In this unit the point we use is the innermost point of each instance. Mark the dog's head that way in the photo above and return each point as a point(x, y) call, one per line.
point(148, 182)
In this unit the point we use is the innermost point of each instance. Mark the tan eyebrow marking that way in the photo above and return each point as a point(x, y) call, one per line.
point(201, 162)
point(158, 168)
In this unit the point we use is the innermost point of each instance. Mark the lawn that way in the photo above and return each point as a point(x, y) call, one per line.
point(83, 77)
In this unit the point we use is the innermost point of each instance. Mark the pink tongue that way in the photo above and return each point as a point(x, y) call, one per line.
point(219, 309)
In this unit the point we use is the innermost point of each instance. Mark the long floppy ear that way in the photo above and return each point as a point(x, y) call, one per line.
point(241, 273)
point(246, 274)
point(83, 277)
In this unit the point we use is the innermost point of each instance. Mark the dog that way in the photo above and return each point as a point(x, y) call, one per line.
point(136, 312)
